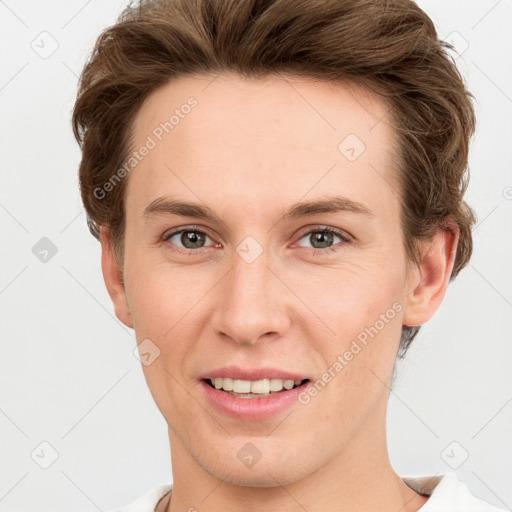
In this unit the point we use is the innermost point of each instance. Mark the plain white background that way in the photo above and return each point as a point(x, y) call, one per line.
point(73, 395)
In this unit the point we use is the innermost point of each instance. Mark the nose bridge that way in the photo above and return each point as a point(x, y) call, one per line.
point(250, 301)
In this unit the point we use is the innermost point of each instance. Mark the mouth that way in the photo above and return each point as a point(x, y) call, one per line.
point(252, 394)
point(254, 388)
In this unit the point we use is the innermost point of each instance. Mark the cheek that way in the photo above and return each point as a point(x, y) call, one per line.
point(164, 298)
point(350, 297)
point(165, 306)
point(358, 361)
point(170, 306)
point(360, 312)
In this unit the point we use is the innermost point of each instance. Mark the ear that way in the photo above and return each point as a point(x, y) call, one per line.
point(428, 281)
point(113, 277)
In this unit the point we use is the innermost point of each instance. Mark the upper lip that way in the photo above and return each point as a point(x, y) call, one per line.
point(235, 372)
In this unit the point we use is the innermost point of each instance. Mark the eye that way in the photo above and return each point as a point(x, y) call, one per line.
point(322, 237)
point(187, 240)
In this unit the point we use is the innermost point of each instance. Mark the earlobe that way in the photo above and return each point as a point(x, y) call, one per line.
point(427, 284)
point(114, 279)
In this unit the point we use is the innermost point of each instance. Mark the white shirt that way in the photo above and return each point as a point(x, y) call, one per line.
point(446, 494)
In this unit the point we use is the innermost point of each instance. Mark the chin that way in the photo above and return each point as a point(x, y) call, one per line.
point(266, 475)
point(275, 465)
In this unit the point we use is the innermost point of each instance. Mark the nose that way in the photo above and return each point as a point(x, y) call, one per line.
point(252, 304)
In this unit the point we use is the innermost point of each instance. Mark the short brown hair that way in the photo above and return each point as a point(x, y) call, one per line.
point(390, 47)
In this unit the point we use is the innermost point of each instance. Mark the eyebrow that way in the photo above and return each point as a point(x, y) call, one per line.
point(329, 205)
point(334, 204)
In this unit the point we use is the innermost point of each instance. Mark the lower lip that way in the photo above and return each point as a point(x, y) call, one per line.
point(252, 409)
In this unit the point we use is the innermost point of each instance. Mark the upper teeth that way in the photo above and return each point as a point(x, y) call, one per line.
point(253, 386)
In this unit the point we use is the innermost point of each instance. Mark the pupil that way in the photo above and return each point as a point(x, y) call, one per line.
point(327, 238)
point(192, 239)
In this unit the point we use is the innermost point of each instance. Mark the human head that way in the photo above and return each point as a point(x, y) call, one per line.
point(390, 48)
point(267, 91)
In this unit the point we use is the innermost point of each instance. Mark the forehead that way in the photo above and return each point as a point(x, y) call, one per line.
point(264, 134)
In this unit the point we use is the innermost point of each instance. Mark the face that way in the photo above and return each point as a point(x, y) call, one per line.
point(287, 264)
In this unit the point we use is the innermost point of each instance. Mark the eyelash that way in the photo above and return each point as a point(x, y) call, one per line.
point(316, 252)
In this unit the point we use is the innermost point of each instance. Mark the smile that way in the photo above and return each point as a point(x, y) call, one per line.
point(253, 388)
point(255, 399)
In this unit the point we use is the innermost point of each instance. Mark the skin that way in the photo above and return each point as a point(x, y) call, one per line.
point(249, 150)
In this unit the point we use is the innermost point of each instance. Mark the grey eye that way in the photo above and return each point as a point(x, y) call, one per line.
point(321, 238)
